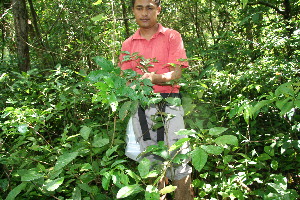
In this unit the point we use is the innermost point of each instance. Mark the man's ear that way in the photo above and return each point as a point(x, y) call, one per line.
point(159, 9)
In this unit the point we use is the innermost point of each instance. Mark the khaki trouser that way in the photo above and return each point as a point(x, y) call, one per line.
point(171, 126)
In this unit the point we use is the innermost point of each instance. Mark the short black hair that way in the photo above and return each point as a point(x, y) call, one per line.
point(157, 2)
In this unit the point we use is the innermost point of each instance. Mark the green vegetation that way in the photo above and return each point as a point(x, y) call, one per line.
point(63, 117)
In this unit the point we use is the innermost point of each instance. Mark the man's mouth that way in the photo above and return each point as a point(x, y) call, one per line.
point(144, 20)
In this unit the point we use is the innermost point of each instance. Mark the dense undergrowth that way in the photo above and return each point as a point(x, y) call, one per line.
point(63, 132)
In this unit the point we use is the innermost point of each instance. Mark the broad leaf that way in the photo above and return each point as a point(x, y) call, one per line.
point(85, 132)
point(174, 101)
point(76, 194)
point(65, 159)
point(102, 62)
point(144, 167)
point(199, 158)
point(227, 139)
point(16, 191)
point(52, 185)
point(211, 149)
point(106, 180)
point(178, 144)
point(23, 128)
point(151, 193)
point(99, 141)
point(29, 175)
point(168, 189)
point(124, 110)
point(185, 132)
point(128, 190)
point(217, 130)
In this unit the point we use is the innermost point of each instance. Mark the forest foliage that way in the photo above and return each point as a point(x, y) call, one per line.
point(64, 108)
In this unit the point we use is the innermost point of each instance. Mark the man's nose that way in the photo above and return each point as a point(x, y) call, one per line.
point(144, 12)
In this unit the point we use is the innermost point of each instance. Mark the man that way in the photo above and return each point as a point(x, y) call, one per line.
point(152, 40)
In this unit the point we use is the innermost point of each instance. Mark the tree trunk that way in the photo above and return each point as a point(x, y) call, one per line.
point(124, 10)
point(21, 29)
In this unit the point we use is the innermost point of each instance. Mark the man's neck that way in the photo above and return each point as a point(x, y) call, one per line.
point(147, 33)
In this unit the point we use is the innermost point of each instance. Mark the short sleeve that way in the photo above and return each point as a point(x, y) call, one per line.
point(125, 47)
point(176, 50)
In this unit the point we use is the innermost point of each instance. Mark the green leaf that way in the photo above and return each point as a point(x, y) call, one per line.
point(65, 159)
point(128, 190)
point(112, 150)
point(2, 77)
point(144, 167)
point(29, 175)
point(244, 3)
point(173, 101)
point(97, 2)
point(274, 164)
point(133, 175)
point(168, 189)
point(227, 139)
point(199, 158)
point(124, 110)
point(178, 144)
point(76, 194)
point(100, 17)
point(259, 105)
point(151, 193)
point(280, 182)
point(106, 180)
point(23, 128)
point(16, 191)
point(269, 150)
point(217, 130)
point(285, 89)
point(211, 149)
point(102, 62)
point(185, 132)
point(99, 141)
point(85, 187)
point(264, 157)
point(52, 185)
point(287, 107)
point(85, 132)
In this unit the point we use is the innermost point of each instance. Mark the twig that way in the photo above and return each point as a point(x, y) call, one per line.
point(6, 11)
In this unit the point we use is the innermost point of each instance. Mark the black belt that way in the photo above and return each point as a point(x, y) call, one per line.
point(161, 108)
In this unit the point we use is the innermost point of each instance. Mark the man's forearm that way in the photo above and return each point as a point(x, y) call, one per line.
point(161, 79)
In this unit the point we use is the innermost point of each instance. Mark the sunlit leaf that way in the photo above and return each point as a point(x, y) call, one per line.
point(168, 189)
point(128, 190)
point(23, 128)
point(185, 132)
point(100, 17)
point(52, 185)
point(144, 167)
point(151, 193)
point(29, 175)
point(178, 144)
point(97, 2)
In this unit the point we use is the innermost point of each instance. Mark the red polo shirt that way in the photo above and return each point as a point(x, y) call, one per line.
point(166, 46)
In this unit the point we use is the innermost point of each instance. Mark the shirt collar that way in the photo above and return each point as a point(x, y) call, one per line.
point(137, 36)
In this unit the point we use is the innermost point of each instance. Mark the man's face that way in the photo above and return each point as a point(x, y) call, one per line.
point(146, 12)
